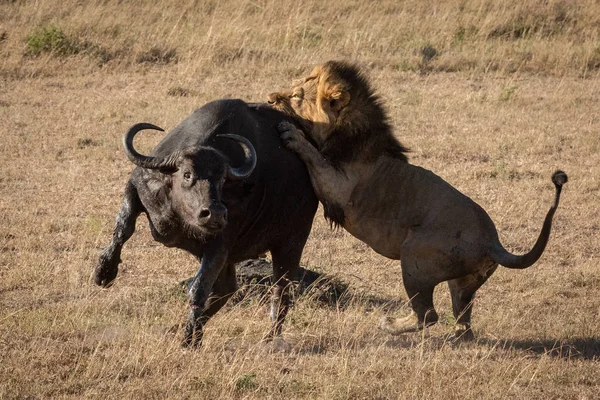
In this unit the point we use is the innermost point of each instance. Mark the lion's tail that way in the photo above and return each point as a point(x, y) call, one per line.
point(506, 259)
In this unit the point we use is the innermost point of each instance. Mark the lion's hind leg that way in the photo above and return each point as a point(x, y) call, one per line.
point(462, 291)
point(420, 279)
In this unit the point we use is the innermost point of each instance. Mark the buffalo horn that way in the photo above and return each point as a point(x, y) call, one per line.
point(247, 167)
point(139, 159)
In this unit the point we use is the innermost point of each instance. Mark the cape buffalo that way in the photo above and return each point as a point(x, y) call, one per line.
point(221, 186)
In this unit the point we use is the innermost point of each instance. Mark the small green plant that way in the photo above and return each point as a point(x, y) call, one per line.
point(448, 318)
point(246, 382)
point(406, 66)
point(93, 224)
point(50, 39)
point(310, 36)
point(507, 93)
point(459, 36)
point(463, 34)
point(500, 168)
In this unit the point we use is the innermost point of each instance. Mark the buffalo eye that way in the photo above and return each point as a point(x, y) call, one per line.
point(187, 175)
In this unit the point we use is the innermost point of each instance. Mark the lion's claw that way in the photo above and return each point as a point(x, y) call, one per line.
point(285, 126)
point(290, 135)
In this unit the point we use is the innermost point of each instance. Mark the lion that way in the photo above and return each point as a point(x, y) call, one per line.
point(361, 174)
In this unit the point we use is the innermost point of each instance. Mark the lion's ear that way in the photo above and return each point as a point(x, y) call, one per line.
point(334, 98)
point(339, 100)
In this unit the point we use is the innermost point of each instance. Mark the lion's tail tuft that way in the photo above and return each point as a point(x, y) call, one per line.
point(559, 178)
point(508, 260)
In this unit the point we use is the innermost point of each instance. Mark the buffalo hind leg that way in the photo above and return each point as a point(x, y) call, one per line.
point(462, 291)
point(108, 262)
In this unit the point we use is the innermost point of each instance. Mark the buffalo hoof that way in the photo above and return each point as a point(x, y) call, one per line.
point(193, 331)
point(462, 333)
point(106, 270)
point(189, 340)
point(192, 339)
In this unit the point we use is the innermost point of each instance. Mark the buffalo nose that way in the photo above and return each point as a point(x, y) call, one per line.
point(214, 216)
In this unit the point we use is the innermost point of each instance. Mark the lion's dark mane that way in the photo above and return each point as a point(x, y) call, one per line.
point(365, 133)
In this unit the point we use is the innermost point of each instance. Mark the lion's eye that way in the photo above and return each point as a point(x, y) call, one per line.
point(297, 94)
point(187, 175)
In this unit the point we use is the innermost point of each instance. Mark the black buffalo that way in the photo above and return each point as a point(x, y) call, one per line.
point(222, 187)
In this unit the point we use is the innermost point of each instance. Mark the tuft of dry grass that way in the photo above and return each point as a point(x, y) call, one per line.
point(491, 97)
point(554, 37)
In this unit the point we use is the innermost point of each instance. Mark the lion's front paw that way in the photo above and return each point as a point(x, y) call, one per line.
point(291, 136)
point(276, 345)
point(398, 326)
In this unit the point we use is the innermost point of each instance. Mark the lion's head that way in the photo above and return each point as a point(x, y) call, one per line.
point(337, 108)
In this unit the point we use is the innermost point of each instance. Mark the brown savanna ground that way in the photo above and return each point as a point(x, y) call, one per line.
point(492, 96)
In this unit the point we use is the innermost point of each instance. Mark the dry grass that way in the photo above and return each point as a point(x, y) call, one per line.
point(522, 100)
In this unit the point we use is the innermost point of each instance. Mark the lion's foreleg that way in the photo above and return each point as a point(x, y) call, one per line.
point(419, 288)
point(422, 315)
point(331, 185)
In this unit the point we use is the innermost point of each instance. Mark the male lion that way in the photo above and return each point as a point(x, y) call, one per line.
point(361, 175)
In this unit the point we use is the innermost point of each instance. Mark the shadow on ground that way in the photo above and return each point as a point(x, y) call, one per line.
point(255, 278)
point(576, 348)
point(565, 349)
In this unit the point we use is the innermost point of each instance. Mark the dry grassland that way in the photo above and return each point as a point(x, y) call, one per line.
point(492, 96)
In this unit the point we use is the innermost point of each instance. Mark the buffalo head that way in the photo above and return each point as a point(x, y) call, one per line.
point(193, 179)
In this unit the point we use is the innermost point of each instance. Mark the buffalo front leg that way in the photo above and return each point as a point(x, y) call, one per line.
point(223, 288)
point(213, 261)
point(108, 262)
point(285, 270)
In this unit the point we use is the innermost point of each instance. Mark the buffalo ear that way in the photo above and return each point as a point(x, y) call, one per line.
point(160, 187)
